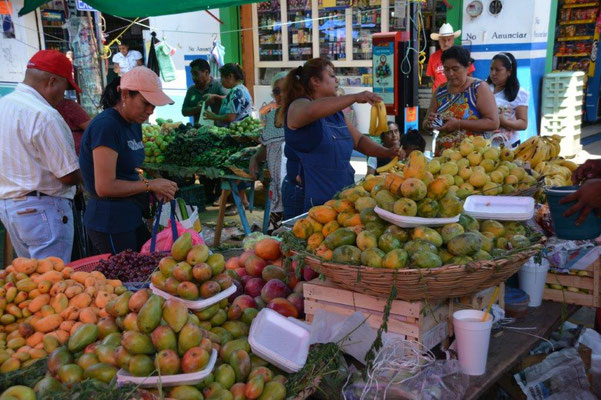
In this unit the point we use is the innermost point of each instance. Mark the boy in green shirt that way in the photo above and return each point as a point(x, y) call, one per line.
point(203, 84)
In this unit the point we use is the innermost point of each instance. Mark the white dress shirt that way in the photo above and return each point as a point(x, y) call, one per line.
point(37, 146)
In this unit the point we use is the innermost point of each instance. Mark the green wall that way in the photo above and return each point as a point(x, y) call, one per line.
point(455, 16)
point(551, 36)
point(230, 37)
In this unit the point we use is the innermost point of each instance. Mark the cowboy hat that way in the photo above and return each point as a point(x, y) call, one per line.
point(445, 30)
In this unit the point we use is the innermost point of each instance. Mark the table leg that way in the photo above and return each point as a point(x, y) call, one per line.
point(267, 210)
point(222, 203)
point(251, 197)
point(239, 206)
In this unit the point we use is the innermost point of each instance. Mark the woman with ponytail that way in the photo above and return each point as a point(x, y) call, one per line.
point(512, 100)
point(317, 132)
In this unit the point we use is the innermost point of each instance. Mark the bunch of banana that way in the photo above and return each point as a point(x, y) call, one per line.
point(388, 166)
point(557, 172)
point(538, 149)
point(378, 123)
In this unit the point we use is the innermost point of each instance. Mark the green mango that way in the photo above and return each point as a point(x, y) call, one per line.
point(240, 362)
point(185, 393)
point(227, 349)
point(190, 336)
point(149, 316)
point(207, 313)
point(140, 365)
point(137, 343)
point(225, 375)
point(219, 318)
point(175, 314)
point(103, 372)
point(223, 335)
point(273, 391)
point(236, 328)
point(112, 339)
point(83, 336)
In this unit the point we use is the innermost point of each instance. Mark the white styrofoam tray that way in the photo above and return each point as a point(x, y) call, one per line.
point(504, 208)
point(279, 340)
point(411, 222)
point(196, 305)
point(193, 378)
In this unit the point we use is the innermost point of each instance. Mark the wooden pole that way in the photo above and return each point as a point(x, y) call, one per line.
point(248, 54)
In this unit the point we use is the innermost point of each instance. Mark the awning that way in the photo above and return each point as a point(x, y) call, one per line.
point(145, 8)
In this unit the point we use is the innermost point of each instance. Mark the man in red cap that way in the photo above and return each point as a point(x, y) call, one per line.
point(39, 166)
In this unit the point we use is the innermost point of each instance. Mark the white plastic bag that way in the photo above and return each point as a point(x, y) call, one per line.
point(201, 119)
point(192, 222)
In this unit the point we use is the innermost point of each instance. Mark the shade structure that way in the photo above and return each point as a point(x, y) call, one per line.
point(145, 8)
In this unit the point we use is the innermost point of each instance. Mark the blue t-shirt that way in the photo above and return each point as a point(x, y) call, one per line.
point(111, 130)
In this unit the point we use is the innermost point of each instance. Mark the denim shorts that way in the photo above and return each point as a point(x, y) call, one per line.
point(293, 197)
point(39, 227)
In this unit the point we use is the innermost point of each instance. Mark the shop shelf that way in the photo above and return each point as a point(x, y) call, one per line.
point(574, 38)
point(577, 22)
point(572, 55)
point(580, 5)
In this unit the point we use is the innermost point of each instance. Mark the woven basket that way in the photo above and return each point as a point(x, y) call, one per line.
point(424, 284)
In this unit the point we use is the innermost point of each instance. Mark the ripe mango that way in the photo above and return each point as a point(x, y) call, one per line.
point(181, 247)
point(101, 371)
point(175, 313)
point(149, 316)
point(137, 343)
point(83, 336)
point(240, 362)
point(140, 365)
point(190, 336)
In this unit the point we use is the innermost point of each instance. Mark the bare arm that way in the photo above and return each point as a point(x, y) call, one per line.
point(521, 120)
point(191, 111)
point(107, 184)
point(431, 113)
point(303, 111)
point(71, 179)
point(368, 147)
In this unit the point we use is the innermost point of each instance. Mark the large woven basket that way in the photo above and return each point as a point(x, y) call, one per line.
point(424, 284)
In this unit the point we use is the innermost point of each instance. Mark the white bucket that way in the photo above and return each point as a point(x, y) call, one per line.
point(532, 280)
point(473, 337)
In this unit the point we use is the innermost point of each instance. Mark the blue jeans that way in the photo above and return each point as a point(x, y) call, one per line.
point(293, 197)
point(39, 227)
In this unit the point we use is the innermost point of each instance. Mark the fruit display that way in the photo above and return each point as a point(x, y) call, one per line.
point(348, 231)
point(43, 302)
point(542, 152)
point(249, 126)
point(130, 266)
point(378, 122)
point(190, 272)
point(156, 139)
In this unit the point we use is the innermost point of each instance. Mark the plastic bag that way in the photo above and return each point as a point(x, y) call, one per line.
point(401, 370)
point(165, 239)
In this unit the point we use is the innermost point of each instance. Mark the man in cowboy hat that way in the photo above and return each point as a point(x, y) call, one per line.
point(435, 69)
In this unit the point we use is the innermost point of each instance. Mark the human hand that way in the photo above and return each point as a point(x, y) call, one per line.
point(429, 122)
point(587, 199)
point(253, 167)
point(367, 97)
point(210, 115)
point(394, 151)
point(164, 189)
point(208, 98)
point(451, 125)
point(590, 169)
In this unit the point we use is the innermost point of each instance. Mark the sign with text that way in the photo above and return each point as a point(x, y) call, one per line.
point(81, 6)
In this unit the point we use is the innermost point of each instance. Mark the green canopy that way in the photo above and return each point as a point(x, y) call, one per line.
point(145, 8)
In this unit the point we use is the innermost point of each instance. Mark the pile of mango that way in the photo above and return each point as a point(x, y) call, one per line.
point(190, 272)
point(346, 231)
point(42, 302)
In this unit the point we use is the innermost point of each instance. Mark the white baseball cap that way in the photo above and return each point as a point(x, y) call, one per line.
point(445, 30)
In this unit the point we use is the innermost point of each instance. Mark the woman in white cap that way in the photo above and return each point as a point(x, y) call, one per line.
point(435, 69)
point(111, 150)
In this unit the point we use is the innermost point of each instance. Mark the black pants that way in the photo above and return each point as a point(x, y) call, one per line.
point(117, 242)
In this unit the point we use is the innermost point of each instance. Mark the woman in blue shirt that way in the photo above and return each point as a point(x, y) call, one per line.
point(317, 132)
point(111, 150)
point(237, 104)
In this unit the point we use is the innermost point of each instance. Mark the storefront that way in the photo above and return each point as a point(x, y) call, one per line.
point(287, 33)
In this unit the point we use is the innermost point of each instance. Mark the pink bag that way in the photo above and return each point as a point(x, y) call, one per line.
point(164, 240)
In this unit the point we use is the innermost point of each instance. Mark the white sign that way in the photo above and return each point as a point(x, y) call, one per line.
point(81, 6)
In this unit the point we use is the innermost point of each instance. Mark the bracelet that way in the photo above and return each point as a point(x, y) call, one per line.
point(147, 184)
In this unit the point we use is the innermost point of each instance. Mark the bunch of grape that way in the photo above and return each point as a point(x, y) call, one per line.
point(130, 266)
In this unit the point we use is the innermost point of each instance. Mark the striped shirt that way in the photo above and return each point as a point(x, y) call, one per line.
point(37, 146)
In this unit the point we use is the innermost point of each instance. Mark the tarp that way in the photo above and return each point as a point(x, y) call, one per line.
point(145, 8)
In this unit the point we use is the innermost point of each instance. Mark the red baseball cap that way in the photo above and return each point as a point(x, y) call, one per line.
point(56, 63)
point(148, 83)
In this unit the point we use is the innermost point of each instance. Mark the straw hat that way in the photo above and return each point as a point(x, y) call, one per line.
point(445, 30)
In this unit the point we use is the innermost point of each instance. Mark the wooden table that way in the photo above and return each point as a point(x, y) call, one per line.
point(508, 348)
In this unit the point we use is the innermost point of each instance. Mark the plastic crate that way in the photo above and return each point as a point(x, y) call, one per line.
point(88, 264)
point(193, 195)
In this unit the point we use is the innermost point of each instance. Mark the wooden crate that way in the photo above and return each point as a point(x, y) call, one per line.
point(591, 283)
point(428, 323)
point(480, 300)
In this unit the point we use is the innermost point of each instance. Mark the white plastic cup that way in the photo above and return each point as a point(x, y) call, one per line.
point(533, 277)
point(473, 338)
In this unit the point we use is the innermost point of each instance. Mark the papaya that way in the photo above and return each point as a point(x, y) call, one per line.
point(302, 229)
point(465, 244)
point(426, 259)
point(372, 257)
point(83, 336)
point(427, 234)
point(394, 259)
point(415, 246)
point(340, 237)
point(329, 228)
point(322, 214)
point(314, 240)
point(343, 206)
point(315, 226)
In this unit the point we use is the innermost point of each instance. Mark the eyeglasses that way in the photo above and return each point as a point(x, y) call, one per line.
point(276, 91)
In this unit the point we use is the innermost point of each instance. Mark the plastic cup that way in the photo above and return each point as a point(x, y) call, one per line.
point(532, 280)
point(473, 338)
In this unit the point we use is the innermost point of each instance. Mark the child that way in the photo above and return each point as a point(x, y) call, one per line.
point(412, 141)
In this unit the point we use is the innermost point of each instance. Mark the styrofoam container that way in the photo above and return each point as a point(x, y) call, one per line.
point(279, 340)
point(193, 378)
point(411, 222)
point(503, 208)
point(196, 305)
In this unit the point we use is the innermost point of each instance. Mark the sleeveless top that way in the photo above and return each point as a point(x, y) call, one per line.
point(461, 106)
point(324, 149)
